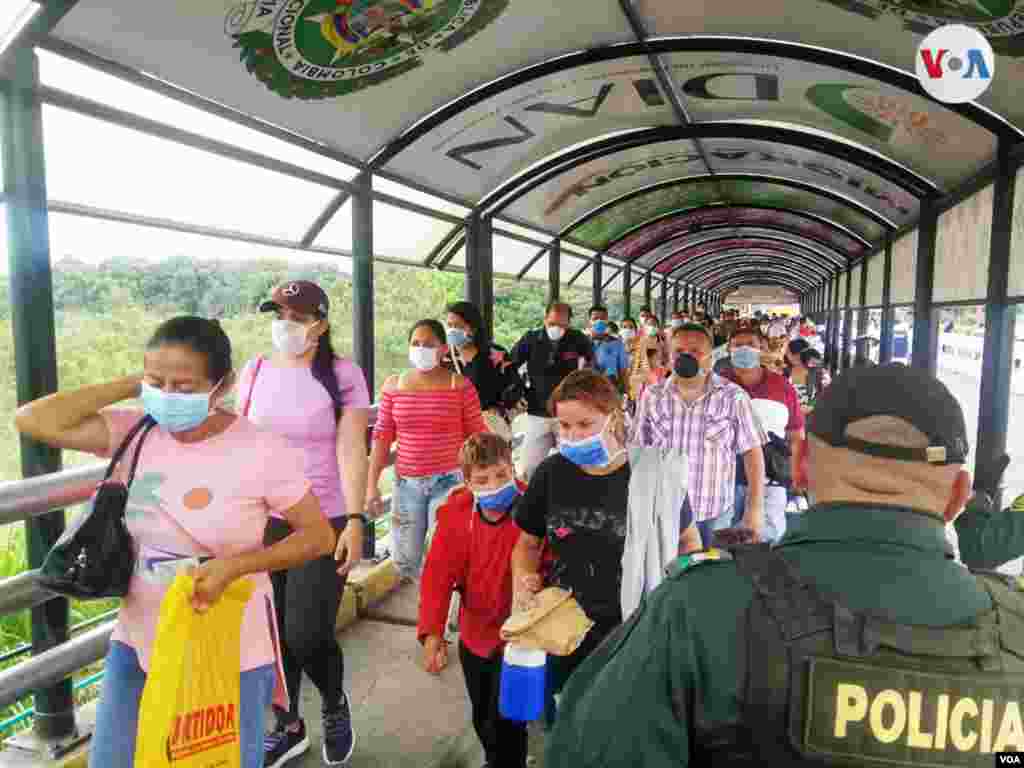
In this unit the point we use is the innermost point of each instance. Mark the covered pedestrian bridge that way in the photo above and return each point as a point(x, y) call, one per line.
point(671, 153)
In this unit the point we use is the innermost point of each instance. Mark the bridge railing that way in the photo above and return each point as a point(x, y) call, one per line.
point(22, 500)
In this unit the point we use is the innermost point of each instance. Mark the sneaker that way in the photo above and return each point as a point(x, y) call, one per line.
point(339, 738)
point(281, 745)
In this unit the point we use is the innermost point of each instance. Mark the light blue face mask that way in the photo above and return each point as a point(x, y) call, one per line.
point(458, 337)
point(499, 499)
point(176, 411)
point(600, 327)
point(746, 357)
point(590, 451)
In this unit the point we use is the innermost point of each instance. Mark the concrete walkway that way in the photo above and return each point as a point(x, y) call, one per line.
point(404, 717)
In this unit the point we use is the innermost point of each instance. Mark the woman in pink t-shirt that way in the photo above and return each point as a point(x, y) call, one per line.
point(206, 483)
point(318, 402)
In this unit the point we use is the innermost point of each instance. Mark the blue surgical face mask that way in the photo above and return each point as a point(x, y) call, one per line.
point(600, 327)
point(458, 337)
point(746, 357)
point(591, 451)
point(499, 499)
point(176, 411)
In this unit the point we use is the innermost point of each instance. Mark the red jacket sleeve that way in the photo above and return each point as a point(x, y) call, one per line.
point(446, 563)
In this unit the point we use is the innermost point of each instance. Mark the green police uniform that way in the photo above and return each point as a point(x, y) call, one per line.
point(990, 537)
point(684, 682)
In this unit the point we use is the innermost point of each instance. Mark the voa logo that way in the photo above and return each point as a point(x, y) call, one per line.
point(955, 64)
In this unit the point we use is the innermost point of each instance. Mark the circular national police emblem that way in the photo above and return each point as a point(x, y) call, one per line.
point(321, 49)
point(1000, 21)
point(292, 289)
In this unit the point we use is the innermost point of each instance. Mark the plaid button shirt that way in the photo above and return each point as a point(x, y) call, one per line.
point(710, 432)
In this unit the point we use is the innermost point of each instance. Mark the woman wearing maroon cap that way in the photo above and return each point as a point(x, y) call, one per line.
point(318, 401)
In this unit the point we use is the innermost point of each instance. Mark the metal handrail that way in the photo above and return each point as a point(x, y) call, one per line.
point(24, 499)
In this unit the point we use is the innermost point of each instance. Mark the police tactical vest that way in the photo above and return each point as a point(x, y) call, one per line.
point(821, 685)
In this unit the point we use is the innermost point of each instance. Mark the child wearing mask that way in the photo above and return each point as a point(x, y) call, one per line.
point(471, 553)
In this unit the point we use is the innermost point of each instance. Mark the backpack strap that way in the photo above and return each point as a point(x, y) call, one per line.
point(252, 384)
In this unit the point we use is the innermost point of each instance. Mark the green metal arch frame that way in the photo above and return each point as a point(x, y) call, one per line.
point(713, 235)
point(739, 258)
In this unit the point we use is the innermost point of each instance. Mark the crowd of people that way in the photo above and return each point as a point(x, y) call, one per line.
point(782, 478)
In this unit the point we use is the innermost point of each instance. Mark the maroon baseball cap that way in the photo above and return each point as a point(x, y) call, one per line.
point(298, 296)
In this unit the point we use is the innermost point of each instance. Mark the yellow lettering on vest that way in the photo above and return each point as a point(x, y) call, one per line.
point(915, 736)
point(963, 707)
point(942, 721)
point(851, 706)
point(1011, 732)
point(892, 732)
point(987, 716)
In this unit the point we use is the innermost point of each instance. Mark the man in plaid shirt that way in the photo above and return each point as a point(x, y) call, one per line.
point(710, 421)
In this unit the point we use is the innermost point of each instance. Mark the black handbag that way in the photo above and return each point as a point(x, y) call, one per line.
point(95, 557)
point(777, 467)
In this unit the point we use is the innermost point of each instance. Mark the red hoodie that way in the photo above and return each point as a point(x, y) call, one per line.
point(469, 552)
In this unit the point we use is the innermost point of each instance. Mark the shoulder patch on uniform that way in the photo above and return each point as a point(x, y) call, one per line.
point(684, 563)
point(1018, 504)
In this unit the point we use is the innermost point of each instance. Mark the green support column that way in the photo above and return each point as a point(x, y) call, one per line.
point(35, 348)
point(596, 285)
point(675, 297)
point(848, 320)
point(627, 290)
point(663, 308)
point(362, 278)
point(647, 291)
point(480, 267)
point(888, 315)
point(924, 353)
point(555, 270)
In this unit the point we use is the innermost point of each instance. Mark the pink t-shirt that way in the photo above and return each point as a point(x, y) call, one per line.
point(291, 403)
point(207, 498)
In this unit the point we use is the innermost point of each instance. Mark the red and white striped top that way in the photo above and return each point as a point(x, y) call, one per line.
point(430, 426)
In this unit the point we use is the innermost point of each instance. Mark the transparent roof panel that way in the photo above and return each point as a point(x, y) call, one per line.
point(510, 255)
point(559, 201)
point(736, 252)
point(411, 195)
point(721, 238)
point(922, 134)
point(338, 232)
point(92, 241)
point(67, 75)
point(106, 166)
point(485, 144)
point(613, 223)
point(888, 32)
point(650, 234)
point(533, 234)
point(405, 235)
point(568, 267)
point(352, 75)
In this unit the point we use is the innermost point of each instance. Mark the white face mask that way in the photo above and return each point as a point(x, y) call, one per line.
point(423, 358)
point(289, 337)
point(555, 332)
point(627, 334)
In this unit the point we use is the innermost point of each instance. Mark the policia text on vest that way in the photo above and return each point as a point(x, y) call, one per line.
point(904, 717)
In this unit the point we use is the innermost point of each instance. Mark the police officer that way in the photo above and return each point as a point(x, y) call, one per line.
point(857, 640)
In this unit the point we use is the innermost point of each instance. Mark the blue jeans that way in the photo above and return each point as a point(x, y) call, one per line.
point(417, 500)
point(117, 721)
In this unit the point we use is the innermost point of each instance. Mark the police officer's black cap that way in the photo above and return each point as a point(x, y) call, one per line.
point(894, 390)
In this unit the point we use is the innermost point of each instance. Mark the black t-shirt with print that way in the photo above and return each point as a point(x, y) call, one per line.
point(583, 518)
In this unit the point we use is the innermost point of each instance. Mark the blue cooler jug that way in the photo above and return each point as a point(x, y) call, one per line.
point(523, 684)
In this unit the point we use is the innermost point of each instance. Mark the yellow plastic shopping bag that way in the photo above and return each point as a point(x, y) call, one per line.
point(188, 717)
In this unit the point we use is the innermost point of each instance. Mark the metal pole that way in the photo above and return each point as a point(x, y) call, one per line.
point(362, 277)
point(597, 282)
point(480, 266)
point(647, 291)
point(997, 355)
point(675, 297)
point(888, 314)
point(926, 326)
point(554, 269)
point(627, 290)
point(664, 302)
point(35, 349)
point(848, 319)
